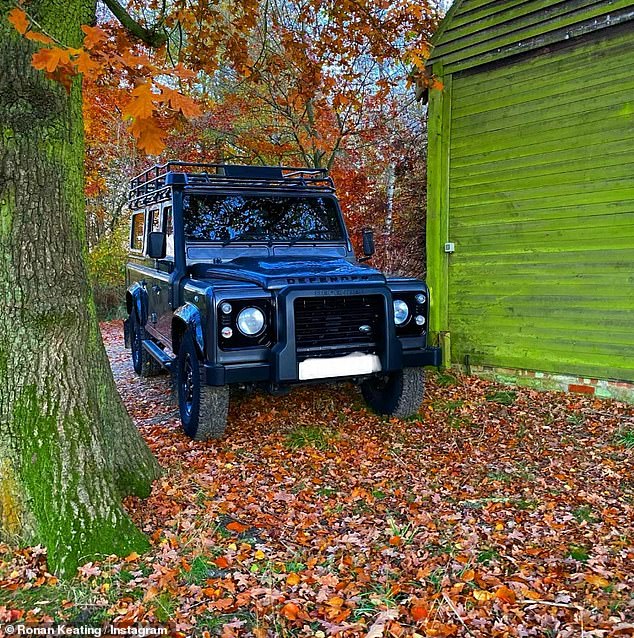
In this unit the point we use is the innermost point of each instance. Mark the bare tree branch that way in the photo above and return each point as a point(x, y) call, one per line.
point(154, 37)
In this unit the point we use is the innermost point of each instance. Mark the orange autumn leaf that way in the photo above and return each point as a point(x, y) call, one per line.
point(339, 615)
point(36, 36)
point(50, 59)
point(221, 562)
point(293, 579)
point(222, 603)
point(94, 36)
point(134, 60)
point(149, 136)
point(85, 64)
point(141, 105)
point(419, 612)
point(440, 629)
point(151, 592)
point(468, 575)
point(596, 581)
point(183, 72)
point(395, 540)
point(533, 595)
point(506, 595)
point(19, 20)
point(290, 611)
point(182, 103)
point(483, 595)
point(234, 526)
point(417, 61)
point(335, 601)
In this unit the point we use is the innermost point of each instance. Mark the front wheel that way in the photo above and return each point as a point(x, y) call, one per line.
point(398, 394)
point(203, 408)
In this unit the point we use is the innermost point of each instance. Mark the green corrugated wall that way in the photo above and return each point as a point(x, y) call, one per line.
point(532, 177)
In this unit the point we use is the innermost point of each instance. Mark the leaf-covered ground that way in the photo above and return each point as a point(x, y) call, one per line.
point(495, 513)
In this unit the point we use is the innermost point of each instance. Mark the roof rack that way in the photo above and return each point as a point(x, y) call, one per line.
point(153, 185)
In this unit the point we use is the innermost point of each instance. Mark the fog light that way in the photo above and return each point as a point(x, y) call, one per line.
point(227, 333)
point(226, 308)
point(420, 320)
point(421, 299)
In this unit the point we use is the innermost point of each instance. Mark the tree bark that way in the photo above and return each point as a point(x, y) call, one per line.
point(68, 450)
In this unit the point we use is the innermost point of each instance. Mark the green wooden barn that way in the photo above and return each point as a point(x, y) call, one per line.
point(530, 229)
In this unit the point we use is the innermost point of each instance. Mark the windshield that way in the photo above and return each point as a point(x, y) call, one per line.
point(229, 218)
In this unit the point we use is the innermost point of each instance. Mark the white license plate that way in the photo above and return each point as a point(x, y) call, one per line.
point(351, 365)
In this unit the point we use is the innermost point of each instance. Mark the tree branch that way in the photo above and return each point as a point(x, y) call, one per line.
point(152, 37)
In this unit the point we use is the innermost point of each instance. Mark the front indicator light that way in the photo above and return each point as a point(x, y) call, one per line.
point(420, 320)
point(401, 312)
point(227, 333)
point(420, 299)
point(251, 321)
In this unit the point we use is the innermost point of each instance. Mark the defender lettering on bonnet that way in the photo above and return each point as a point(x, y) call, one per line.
point(240, 275)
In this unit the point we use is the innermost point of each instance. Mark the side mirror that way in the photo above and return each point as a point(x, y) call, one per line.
point(368, 242)
point(156, 245)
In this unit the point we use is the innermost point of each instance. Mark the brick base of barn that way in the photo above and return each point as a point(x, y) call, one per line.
point(602, 388)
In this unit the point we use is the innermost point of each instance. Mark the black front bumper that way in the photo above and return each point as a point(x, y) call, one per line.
point(261, 372)
point(431, 356)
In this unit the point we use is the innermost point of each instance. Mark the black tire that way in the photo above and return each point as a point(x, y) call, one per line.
point(144, 364)
point(203, 408)
point(398, 394)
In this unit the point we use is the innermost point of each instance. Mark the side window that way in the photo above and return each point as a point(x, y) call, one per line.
point(169, 231)
point(155, 219)
point(136, 236)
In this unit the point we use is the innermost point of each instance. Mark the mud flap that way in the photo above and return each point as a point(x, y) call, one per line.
point(126, 333)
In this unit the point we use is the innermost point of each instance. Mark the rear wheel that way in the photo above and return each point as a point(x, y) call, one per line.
point(203, 408)
point(398, 394)
point(145, 365)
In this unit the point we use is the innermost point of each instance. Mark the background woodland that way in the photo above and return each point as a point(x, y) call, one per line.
point(295, 90)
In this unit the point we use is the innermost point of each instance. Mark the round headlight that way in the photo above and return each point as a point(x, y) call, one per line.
point(251, 321)
point(401, 312)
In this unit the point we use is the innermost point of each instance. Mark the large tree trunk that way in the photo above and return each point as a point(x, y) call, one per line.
point(68, 451)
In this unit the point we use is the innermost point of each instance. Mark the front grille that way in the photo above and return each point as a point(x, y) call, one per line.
point(332, 326)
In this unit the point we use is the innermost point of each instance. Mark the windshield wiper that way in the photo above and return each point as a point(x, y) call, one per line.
point(307, 236)
point(240, 237)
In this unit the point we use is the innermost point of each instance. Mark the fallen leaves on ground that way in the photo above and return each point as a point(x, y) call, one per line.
point(493, 513)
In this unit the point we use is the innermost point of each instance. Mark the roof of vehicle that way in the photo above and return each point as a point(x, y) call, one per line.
point(154, 185)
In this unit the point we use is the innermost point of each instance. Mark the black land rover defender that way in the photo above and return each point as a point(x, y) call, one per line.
point(246, 275)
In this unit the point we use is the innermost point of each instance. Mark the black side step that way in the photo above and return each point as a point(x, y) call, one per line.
point(159, 354)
